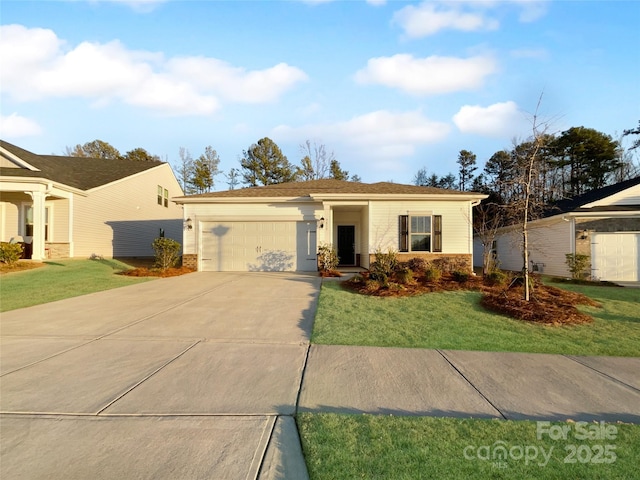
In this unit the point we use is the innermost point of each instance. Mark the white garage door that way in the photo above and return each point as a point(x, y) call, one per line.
point(258, 246)
point(616, 256)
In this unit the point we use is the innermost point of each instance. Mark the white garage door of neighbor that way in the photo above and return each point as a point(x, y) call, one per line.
point(616, 256)
point(258, 246)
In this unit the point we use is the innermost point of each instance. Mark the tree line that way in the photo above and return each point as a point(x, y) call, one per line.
point(263, 163)
point(568, 164)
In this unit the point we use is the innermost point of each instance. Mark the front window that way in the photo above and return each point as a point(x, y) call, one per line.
point(420, 233)
point(28, 222)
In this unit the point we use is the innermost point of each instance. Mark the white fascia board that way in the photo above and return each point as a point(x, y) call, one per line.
point(34, 184)
point(399, 197)
point(611, 199)
point(17, 160)
point(186, 200)
point(617, 214)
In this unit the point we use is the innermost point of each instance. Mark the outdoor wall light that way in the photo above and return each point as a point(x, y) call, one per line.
point(187, 224)
point(321, 222)
point(584, 234)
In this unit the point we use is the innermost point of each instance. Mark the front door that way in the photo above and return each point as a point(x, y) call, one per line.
point(347, 244)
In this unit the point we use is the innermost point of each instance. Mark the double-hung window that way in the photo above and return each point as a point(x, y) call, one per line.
point(421, 233)
point(163, 196)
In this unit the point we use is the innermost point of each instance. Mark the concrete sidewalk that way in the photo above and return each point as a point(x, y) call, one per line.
point(514, 386)
point(188, 377)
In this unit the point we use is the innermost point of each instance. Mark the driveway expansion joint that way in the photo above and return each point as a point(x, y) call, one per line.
point(494, 406)
point(606, 375)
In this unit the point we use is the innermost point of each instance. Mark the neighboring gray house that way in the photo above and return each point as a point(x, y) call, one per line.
point(602, 223)
point(279, 227)
point(65, 207)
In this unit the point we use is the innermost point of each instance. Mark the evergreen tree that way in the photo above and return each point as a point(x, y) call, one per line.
point(264, 164)
point(467, 162)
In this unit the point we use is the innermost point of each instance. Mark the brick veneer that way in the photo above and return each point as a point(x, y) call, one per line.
point(190, 260)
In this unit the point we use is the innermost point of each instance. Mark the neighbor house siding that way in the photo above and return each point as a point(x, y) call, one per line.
point(123, 218)
point(548, 244)
point(11, 215)
point(384, 226)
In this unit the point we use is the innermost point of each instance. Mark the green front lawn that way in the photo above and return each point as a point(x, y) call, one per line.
point(61, 279)
point(455, 320)
point(386, 447)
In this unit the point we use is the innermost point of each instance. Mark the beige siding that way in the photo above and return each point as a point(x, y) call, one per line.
point(548, 244)
point(384, 223)
point(244, 212)
point(123, 218)
point(11, 204)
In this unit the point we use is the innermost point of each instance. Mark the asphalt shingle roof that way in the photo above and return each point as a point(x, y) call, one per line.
point(78, 172)
point(326, 186)
point(576, 203)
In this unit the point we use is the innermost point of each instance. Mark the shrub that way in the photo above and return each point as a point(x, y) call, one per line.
point(495, 278)
point(460, 276)
point(404, 276)
point(418, 264)
point(380, 277)
point(167, 252)
point(385, 263)
point(578, 264)
point(327, 258)
point(10, 253)
point(432, 274)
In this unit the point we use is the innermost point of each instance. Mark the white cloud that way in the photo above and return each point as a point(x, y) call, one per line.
point(14, 126)
point(382, 137)
point(431, 17)
point(37, 64)
point(427, 76)
point(235, 83)
point(503, 119)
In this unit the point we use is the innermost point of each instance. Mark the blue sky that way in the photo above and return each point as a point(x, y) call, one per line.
point(388, 86)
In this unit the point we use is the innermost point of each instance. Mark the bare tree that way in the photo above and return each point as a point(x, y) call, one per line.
point(184, 170)
point(316, 162)
point(525, 207)
point(488, 217)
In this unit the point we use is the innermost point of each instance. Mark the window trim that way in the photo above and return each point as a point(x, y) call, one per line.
point(435, 241)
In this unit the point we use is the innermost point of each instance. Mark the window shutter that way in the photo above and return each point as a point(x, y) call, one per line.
point(437, 233)
point(404, 233)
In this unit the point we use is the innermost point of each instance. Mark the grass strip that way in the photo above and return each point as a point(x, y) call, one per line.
point(455, 320)
point(340, 446)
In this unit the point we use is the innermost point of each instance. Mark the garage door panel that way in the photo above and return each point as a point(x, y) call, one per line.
point(257, 246)
point(616, 256)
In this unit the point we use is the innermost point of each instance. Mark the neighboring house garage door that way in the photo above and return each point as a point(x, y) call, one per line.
point(258, 246)
point(616, 256)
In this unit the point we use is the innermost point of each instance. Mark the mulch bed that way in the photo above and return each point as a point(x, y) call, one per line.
point(547, 305)
point(154, 272)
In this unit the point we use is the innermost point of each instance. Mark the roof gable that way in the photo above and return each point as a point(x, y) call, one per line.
point(77, 172)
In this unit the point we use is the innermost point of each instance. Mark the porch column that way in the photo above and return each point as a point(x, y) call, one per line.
point(38, 225)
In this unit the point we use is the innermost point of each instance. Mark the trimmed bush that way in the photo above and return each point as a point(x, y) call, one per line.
point(432, 274)
point(404, 276)
point(418, 264)
point(327, 258)
point(578, 264)
point(495, 278)
point(10, 253)
point(385, 262)
point(167, 252)
point(460, 276)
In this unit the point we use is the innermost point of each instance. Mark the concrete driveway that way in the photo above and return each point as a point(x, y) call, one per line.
point(186, 377)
